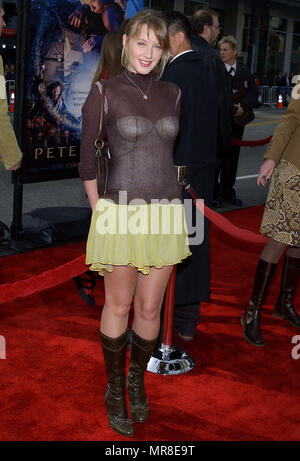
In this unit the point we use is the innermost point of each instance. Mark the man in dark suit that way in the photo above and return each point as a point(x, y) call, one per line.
point(196, 148)
point(206, 29)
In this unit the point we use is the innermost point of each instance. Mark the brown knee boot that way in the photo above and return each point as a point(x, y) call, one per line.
point(251, 317)
point(140, 353)
point(114, 351)
point(284, 308)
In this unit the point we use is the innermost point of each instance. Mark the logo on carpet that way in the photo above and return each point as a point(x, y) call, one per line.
point(296, 350)
point(2, 348)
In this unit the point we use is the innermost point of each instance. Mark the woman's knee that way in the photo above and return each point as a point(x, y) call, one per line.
point(118, 308)
point(148, 310)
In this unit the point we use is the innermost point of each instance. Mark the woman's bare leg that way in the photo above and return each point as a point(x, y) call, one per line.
point(119, 289)
point(148, 300)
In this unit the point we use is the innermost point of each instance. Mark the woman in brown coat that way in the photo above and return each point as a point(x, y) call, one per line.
point(281, 222)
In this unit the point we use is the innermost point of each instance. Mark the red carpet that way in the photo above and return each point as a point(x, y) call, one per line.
point(52, 380)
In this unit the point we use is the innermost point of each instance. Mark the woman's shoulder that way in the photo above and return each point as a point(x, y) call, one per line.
point(110, 82)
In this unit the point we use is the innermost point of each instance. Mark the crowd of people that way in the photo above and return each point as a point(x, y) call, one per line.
point(281, 79)
point(167, 97)
point(9, 72)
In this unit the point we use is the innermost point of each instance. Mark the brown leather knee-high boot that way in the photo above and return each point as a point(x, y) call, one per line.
point(114, 351)
point(251, 317)
point(140, 353)
point(284, 308)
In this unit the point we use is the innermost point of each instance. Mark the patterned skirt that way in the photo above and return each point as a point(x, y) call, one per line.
point(140, 236)
point(281, 218)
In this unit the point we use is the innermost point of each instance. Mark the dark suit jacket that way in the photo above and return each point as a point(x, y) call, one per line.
point(196, 143)
point(217, 72)
point(244, 79)
point(195, 147)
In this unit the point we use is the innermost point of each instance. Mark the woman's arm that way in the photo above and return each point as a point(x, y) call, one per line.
point(91, 192)
point(90, 129)
point(289, 122)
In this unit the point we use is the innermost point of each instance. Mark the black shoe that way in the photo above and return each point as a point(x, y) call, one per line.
point(217, 203)
point(184, 337)
point(234, 201)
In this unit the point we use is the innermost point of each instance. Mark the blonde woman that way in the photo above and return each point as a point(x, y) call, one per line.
point(281, 223)
point(243, 93)
point(135, 254)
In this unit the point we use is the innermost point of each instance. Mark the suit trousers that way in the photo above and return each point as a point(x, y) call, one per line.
point(193, 274)
point(227, 170)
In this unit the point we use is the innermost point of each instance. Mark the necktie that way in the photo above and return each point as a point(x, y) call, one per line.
point(232, 71)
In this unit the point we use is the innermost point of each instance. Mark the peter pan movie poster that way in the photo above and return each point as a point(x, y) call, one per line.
point(65, 44)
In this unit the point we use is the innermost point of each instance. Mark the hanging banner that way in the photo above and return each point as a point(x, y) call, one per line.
point(65, 44)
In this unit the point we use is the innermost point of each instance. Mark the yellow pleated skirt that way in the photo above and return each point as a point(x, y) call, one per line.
point(141, 236)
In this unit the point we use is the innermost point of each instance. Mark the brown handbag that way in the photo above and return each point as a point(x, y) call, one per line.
point(103, 157)
point(246, 117)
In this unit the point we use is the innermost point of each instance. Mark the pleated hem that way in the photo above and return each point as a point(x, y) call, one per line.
point(108, 266)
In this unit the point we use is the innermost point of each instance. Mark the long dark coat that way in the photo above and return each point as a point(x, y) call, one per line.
point(195, 147)
point(215, 66)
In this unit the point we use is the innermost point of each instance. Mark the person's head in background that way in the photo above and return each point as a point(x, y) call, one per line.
point(228, 49)
point(180, 32)
point(206, 24)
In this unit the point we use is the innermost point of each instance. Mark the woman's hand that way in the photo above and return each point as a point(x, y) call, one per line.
point(89, 44)
point(266, 171)
point(15, 167)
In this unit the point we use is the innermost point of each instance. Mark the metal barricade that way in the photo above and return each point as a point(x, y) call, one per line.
point(263, 96)
point(285, 92)
point(274, 93)
point(269, 96)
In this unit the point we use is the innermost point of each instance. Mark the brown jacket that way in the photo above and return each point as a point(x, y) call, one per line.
point(285, 144)
point(10, 153)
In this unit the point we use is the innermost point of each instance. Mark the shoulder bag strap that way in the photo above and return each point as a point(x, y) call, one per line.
point(99, 137)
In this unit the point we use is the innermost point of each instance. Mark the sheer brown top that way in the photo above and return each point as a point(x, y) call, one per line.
point(141, 134)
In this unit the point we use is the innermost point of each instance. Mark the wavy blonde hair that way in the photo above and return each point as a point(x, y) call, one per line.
point(155, 22)
point(230, 39)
